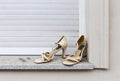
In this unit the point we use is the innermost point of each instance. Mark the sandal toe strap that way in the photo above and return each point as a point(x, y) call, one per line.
point(45, 56)
point(73, 59)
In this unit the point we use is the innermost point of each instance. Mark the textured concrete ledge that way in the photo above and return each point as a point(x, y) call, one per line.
point(27, 63)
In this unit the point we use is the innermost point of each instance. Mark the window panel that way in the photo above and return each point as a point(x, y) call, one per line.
point(37, 24)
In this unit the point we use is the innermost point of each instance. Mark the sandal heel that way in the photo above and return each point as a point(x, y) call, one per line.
point(63, 53)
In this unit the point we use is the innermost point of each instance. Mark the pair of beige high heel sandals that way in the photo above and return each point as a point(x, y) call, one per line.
point(62, 45)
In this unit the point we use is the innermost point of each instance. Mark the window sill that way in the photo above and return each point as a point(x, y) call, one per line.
point(27, 63)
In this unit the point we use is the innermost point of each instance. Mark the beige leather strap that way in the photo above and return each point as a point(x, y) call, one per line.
point(73, 59)
point(45, 56)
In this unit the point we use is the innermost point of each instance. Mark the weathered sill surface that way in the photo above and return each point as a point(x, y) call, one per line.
point(27, 63)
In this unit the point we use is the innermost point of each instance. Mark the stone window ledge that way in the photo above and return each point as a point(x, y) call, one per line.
point(27, 63)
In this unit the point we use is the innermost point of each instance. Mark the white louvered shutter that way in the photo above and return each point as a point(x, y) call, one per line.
point(33, 26)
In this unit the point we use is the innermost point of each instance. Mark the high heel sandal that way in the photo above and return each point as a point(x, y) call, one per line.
point(79, 53)
point(48, 56)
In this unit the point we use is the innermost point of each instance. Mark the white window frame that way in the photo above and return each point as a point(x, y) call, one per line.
point(94, 23)
point(97, 30)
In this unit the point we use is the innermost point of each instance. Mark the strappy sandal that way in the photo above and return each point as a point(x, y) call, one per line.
point(79, 53)
point(48, 56)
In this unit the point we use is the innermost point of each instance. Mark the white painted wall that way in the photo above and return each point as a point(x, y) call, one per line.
point(113, 74)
